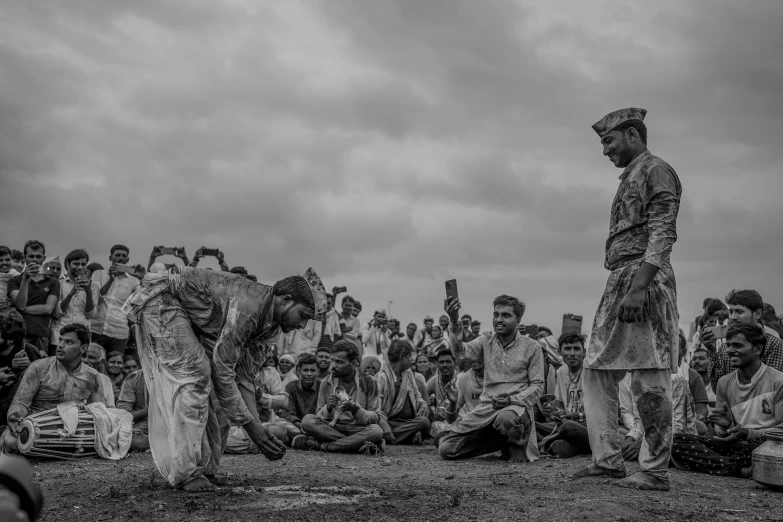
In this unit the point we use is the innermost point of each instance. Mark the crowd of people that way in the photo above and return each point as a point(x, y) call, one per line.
point(347, 384)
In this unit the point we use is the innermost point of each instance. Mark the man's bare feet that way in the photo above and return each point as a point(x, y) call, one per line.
point(199, 485)
point(513, 454)
point(596, 471)
point(218, 481)
point(643, 481)
point(505, 454)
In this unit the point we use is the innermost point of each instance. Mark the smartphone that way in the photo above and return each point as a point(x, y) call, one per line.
point(572, 323)
point(451, 288)
point(719, 331)
point(168, 251)
point(341, 289)
point(48, 269)
point(531, 330)
point(210, 252)
point(126, 269)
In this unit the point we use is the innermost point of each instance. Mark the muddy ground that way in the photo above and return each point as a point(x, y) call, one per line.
point(406, 484)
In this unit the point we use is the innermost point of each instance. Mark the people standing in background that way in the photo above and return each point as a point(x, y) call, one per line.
point(78, 297)
point(110, 325)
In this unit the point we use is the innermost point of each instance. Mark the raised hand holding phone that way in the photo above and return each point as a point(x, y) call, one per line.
point(451, 304)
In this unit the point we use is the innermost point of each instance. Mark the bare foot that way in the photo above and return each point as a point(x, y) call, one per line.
point(516, 454)
point(199, 485)
point(505, 455)
point(643, 481)
point(218, 481)
point(595, 471)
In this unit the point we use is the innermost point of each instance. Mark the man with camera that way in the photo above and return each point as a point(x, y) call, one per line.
point(35, 294)
point(110, 325)
point(214, 252)
point(78, 293)
point(745, 307)
point(375, 339)
point(158, 251)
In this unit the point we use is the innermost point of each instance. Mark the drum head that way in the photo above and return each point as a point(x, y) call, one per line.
point(26, 435)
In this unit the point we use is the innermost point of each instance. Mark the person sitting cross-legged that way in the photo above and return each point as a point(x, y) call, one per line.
point(570, 437)
point(405, 410)
point(349, 408)
point(54, 380)
point(302, 394)
point(464, 395)
point(513, 382)
point(749, 403)
point(134, 398)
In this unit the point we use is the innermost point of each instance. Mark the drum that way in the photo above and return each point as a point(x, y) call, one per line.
point(43, 435)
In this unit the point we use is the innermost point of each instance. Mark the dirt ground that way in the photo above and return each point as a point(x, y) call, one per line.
point(406, 484)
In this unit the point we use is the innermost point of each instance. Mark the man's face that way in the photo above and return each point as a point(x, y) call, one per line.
point(329, 302)
point(444, 322)
point(341, 366)
point(700, 361)
point(119, 257)
point(741, 352)
point(347, 307)
point(294, 316)
point(410, 331)
point(92, 357)
point(542, 334)
point(308, 373)
point(465, 323)
point(504, 320)
point(130, 366)
point(742, 314)
point(357, 308)
point(77, 267)
point(711, 321)
point(428, 325)
point(446, 365)
point(617, 149)
point(380, 319)
point(324, 359)
point(573, 355)
point(34, 255)
point(53, 269)
point(475, 328)
point(477, 365)
point(5, 263)
point(69, 349)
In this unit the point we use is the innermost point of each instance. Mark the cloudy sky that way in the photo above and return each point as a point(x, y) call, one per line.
point(394, 145)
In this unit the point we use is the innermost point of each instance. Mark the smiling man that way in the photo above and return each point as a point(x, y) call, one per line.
point(749, 403)
point(513, 382)
point(202, 337)
point(635, 328)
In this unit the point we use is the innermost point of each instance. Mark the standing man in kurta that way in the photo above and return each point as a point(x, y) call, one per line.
point(636, 325)
point(202, 336)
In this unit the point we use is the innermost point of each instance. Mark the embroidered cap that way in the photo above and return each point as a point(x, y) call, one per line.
point(319, 293)
point(613, 119)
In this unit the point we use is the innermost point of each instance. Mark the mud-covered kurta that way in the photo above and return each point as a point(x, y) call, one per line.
point(643, 228)
point(519, 367)
point(201, 336)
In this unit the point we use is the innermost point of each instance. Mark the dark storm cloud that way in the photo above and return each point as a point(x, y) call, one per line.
point(393, 144)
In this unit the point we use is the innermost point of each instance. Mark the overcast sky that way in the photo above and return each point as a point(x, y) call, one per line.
point(394, 145)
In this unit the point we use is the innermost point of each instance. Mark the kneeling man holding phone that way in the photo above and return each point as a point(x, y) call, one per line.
point(513, 382)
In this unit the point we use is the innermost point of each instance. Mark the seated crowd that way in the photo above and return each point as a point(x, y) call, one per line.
point(351, 385)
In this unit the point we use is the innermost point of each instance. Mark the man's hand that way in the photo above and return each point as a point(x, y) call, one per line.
point(388, 436)
point(501, 401)
point(272, 448)
point(335, 292)
point(632, 307)
point(20, 361)
point(332, 402)
point(630, 448)
point(423, 410)
point(199, 254)
point(351, 407)
point(707, 339)
point(139, 271)
point(221, 257)
point(156, 252)
point(31, 270)
point(451, 306)
point(83, 284)
point(736, 433)
point(6, 376)
point(180, 252)
point(721, 416)
point(113, 272)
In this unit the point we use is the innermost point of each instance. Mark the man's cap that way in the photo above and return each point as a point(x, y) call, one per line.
point(319, 294)
point(428, 317)
point(618, 117)
point(476, 322)
point(380, 311)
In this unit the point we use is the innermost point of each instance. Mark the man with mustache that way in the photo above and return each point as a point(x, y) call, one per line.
point(202, 337)
point(636, 326)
